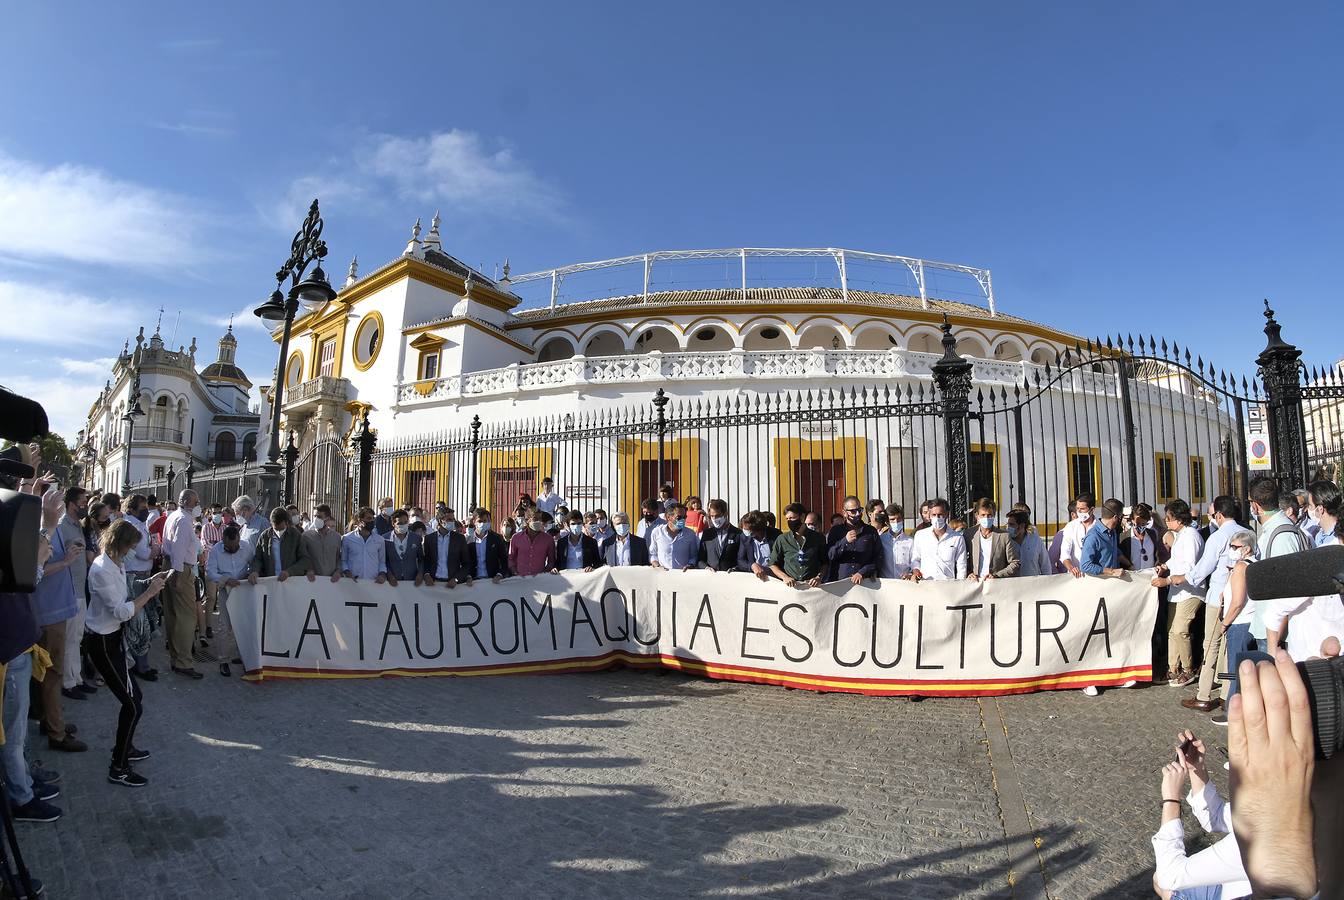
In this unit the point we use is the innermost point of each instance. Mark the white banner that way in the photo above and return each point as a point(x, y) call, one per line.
point(1007, 636)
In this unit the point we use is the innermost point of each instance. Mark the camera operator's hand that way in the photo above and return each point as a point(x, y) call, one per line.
point(1173, 781)
point(1193, 758)
point(1272, 752)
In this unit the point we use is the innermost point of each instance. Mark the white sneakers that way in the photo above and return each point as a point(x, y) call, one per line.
point(1133, 682)
point(1091, 691)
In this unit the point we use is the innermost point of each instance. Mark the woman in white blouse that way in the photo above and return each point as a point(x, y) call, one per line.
point(110, 607)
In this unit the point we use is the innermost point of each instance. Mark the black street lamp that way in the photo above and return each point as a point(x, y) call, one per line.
point(310, 293)
point(133, 413)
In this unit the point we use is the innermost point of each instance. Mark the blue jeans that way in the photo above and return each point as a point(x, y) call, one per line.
point(17, 779)
point(1203, 892)
point(1240, 645)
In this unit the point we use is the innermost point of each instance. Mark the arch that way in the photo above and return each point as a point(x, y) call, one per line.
point(655, 336)
point(556, 347)
point(823, 334)
point(756, 335)
point(972, 344)
point(604, 340)
point(710, 335)
point(1043, 354)
point(1009, 348)
point(873, 335)
point(225, 447)
point(249, 451)
point(924, 339)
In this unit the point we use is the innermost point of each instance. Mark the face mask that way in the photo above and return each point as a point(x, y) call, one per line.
point(853, 515)
point(1231, 556)
point(216, 519)
point(718, 521)
point(366, 526)
point(939, 523)
point(600, 524)
point(1085, 517)
point(812, 526)
point(518, 520)
point(482, 527)
point(649, 517)
point(675, 524)
point(622, 529)
point(986, 522)
point(415, 518)
point(401, 528)
point(794, 524)
point(898, 525)
point(535, 525)
point(575, 529)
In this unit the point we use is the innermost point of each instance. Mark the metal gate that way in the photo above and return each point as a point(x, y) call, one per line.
point(322, 476)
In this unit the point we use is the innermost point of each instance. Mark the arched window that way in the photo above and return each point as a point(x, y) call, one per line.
point(224, 447)
point(250, 447)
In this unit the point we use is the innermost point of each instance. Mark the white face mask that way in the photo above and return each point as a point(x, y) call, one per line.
point(622, 528)
point(195, 512)
point(535, 524)
point(482, 527)
point(1085, 516)
point(718, 521)
point(575, 529)
point(939, 523)
point(216, 519)
point(986, 522)
point(401, 528)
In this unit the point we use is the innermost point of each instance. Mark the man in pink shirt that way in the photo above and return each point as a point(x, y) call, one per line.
point(182, 551)
point(532, 550)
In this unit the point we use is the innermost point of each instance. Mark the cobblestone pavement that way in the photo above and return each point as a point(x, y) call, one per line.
point(623, 783)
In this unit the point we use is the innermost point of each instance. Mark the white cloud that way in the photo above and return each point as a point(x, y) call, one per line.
point(459, 172)
point(100, 366)
point(34, 314)
point(84, 215)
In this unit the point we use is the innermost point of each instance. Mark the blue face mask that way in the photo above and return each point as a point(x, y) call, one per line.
point(575, 528)
point(622, 529)
point(482, 527)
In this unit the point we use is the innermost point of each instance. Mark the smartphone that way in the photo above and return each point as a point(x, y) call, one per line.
point(1182, 750)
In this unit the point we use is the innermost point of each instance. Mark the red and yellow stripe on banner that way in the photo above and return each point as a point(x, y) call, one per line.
point(927, 687)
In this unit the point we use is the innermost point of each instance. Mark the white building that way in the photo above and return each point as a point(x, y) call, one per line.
point(201, 418)
point(425, 343)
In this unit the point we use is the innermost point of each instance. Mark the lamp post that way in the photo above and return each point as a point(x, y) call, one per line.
point(311, 293)
point(133, 413)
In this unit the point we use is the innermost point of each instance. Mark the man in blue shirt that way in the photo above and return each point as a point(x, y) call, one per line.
point(1101, 548)
point(672, 545)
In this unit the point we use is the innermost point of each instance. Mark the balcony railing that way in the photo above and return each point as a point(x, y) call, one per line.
point(156, 433)
point(323, 387)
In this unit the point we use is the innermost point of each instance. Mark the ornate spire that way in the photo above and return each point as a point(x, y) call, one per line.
point(192, 348)
point(432, 241)
point(140, 337)
point(413, 246)
point(352, 275)
point(468, 285)
point(505, 279)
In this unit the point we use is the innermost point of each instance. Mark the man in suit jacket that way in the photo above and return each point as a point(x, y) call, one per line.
point(487, 551)
point(624, 548)
point(721, 544)
point(293, 559)
point(1003, 557)
point(445, 553)
point(574, 549)
point(405, 551)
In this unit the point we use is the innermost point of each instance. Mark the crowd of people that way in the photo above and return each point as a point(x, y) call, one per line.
point(115, 571)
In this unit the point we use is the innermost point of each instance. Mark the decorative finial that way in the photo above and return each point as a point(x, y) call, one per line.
point(352, 274)
point(159, 322)
point(1269, 311)
point(432, 241)
point(140, 336)
point(468, 285)
point(413, 245)
point(505, 279)
point(193, 346)
point(126, 347)
point(230, 331)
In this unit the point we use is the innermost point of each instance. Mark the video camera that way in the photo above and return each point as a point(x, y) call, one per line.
point(21, 420)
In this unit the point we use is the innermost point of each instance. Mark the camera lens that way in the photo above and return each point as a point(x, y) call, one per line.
point(1324, 679)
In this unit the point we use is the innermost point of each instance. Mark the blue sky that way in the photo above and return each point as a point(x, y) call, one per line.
point(1150, 167)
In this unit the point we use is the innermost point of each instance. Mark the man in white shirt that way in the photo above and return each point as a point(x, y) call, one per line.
point(1184, 595)
point(1034, 558)
point(672, 545)
point(1212, 570)
point(547, 499)
point(937, 554)
point(251, 521)
point(897, 546)
point(363, 551)
point(648, 521)
point(182, 551)
point(228, 564)
point(1071, 544)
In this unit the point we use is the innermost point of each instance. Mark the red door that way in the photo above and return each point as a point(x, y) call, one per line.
point(506, 485)
point(420, 489)
point(648, 479)
point(819, 484)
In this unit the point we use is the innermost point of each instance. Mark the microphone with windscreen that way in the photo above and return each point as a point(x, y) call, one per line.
point(1309, 573)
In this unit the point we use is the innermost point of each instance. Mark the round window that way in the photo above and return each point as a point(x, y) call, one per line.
point(294, 371)
point(368, 340)
point(770, 332)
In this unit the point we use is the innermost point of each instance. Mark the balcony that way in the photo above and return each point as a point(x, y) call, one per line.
point(310, 395)
point(156, 433)
point(714, 365)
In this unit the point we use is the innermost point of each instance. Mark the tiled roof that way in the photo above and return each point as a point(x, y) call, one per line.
point(756, 296)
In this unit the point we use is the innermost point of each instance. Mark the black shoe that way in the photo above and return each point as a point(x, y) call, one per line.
point(237, 660)
point(190, 673)
point(204, 643)
point(209, 632)
point(45, 792)
point(137, 755)
point(69, 745)
point(86, 688)
point(46, 776)
point(224, 670)
point(127, 777)
point(151, 675)
point(72, 694)
point(36, 810)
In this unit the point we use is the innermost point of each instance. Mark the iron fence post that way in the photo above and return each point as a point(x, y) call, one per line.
point(1243, 464)
point(291, 456)
point(1127, 422)
point(168, 486)
point(363, 441)
point(189, 472)
point(475, 461)
point(660, 405)
point(1021, 460)
point(1280, 372)
point(952, 375)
